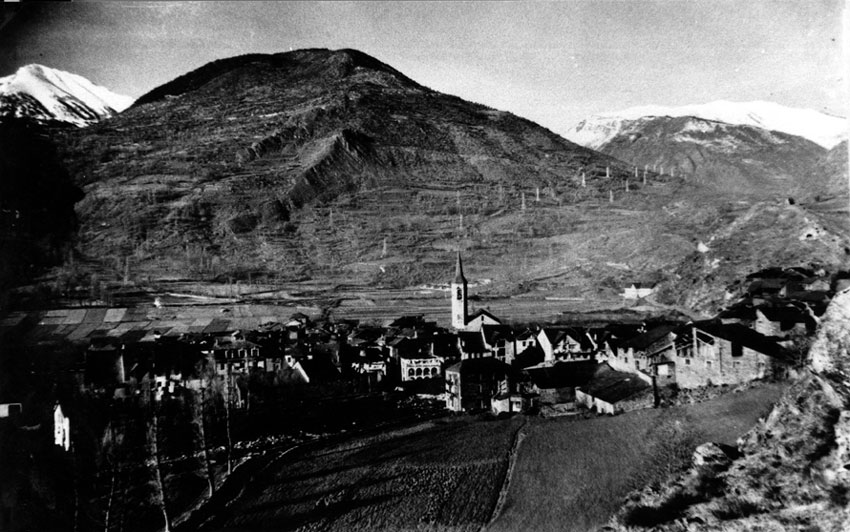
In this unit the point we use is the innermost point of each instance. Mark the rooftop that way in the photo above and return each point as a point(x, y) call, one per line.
point(613, 386)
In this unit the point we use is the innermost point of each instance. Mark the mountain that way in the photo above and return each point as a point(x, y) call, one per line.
point(49, 95)
point(334, 167)
point(741, 158)
point(832, 168)
point(820, 128)
point(306, 159)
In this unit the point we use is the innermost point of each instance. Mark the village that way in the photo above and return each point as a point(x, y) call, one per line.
point(480, 364)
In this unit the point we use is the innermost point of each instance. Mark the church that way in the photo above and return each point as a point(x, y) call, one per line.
point(461, 320)
point(482, 376)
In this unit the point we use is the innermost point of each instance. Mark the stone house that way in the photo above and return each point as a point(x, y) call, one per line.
point(783, 321)
point(499, 340)
point(611, 392)
point(513, 402)
point(10, 410)
point(471, 345)
point(638, 290)
point(555, 382)
point(61, 428)
point(416, 361)
point(524, 340)
point(292, 372)
point(369, 360)
point(414, 367)
point(565, 342)
point(714, 353)
point(645, 351)
point(235, 356)
point(472, 383)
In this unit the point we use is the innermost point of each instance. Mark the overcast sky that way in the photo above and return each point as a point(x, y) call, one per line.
point(552, 62)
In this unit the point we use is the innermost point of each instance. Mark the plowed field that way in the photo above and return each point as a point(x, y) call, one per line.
point(443, 475)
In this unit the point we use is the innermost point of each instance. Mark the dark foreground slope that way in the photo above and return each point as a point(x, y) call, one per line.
point(331, 166)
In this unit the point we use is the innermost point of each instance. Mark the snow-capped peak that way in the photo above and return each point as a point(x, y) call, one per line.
point(826, 130)
point(45, 93)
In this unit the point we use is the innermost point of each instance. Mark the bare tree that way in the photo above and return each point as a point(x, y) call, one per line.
point(155, 464)
point(227, 397)
point(199, 415)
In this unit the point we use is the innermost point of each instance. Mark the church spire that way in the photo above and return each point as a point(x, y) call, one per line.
point(458, 293)
point(459, 278)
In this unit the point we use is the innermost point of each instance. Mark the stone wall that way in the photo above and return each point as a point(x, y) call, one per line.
point(716, 364)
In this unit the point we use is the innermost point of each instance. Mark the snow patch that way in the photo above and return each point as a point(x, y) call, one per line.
point(65, 96)
point(821, 128)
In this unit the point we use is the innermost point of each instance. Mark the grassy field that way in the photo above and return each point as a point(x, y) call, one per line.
point(443, 475)
point(574, 474)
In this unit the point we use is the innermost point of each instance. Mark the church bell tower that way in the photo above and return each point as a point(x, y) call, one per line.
point(458, 293)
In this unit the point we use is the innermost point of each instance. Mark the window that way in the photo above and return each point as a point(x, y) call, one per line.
point(708, 363)
point(687, 361)
point(459, 293)
point(410, 372)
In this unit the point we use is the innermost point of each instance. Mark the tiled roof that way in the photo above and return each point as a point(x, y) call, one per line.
point(648, 338)
point(492, 333)
point(613, 386)
point(471, 342)
point(740, 334)
point(482, 312)
point(562, 374)
point(479, 365)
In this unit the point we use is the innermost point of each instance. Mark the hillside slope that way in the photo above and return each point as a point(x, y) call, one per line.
point(333, 166)
point(268, 163)
point(832, 169)
point(742, 159)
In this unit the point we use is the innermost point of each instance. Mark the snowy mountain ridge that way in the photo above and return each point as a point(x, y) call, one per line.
point(821, 128)
point(44, 94)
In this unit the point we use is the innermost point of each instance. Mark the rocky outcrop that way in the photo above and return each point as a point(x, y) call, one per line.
point(794, 468)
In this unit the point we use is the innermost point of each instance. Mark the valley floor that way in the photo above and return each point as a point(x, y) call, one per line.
point(448, 474)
